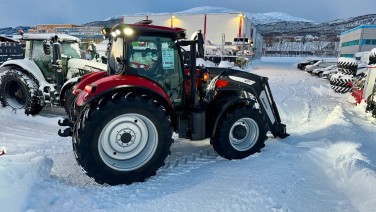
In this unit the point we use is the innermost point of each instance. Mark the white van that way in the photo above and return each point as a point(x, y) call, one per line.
point(323, 63)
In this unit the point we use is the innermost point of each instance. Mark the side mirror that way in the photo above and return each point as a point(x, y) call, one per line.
point(46, 47)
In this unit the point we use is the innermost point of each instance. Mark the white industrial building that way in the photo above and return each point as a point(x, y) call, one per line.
point(359, 39)
point(222, 32)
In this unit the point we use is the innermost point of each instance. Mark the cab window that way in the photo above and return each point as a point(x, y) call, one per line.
point(116, 55)
point(157, 59)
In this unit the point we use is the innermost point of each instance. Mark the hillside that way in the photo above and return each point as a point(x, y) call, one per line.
point(329, 28)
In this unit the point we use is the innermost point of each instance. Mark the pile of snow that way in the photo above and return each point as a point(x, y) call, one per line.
point(19, 173)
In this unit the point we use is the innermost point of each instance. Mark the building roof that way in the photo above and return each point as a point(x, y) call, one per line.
point(357, 28)
point(7, 39)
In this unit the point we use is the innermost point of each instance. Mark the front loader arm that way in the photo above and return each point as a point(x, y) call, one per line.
point(259, 87)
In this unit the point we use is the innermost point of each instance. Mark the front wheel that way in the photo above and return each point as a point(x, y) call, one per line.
point(122, 141)
point(69, 102)
point(240, 134)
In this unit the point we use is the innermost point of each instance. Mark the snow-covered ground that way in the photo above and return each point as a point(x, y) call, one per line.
point(327, 164)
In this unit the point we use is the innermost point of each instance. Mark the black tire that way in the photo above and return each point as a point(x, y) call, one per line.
point(234, 125)
point(370, 103)
point(19, 91)
point(345, 71)
point(69, 100)
point(340, 89)
point(342, 82)
point(113, 162)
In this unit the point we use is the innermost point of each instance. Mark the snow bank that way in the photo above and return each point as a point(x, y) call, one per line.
point(18, 174)
point(345, 165)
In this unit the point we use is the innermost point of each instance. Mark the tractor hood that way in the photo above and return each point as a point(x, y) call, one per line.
point(75, 66)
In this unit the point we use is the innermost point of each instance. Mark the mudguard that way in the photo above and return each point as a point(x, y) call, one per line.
point(71, 82)
point(216, 109)
point(30, 67)
point(88, 79)
point(112, 83)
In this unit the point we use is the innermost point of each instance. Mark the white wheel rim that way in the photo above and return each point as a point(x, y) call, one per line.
point(128, 142)
point(249, 134)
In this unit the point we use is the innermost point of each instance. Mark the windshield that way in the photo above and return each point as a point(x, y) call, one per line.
point(70, 49)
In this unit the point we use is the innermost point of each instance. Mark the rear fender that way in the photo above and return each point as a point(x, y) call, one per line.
point(218, 109)
point(30, 68)
point(118, 83)
point(27, 66)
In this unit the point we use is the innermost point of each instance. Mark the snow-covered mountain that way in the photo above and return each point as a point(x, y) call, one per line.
point(257, 18)
point(331, 28)
point(274, 17)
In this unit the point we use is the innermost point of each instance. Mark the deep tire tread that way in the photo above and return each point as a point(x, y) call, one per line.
point(221, 143)
point(84, 136)
point(34, 103)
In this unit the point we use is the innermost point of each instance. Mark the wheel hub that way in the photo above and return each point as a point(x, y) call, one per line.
point(15, 95)
point(244, 134)
point(126, 137)
point(239, 132)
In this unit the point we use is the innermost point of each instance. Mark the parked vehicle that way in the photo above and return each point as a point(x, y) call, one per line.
point(43, 77)
point(124, 118)
point(302, 64)
point(323, 63)
point(10, 49)
point(319, 71)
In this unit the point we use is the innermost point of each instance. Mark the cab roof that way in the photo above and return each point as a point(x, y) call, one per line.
point(48, 36)
point(148, 29)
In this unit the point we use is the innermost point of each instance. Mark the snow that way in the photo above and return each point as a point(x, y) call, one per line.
point(273, 17)
point(326, 164)
point(208, 10)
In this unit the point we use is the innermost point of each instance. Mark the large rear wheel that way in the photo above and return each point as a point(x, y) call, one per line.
point(240, 134)
point(122, 141)
point(19, 91)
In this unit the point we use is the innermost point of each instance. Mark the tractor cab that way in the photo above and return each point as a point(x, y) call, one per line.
point(39, 48)
point(152, 52)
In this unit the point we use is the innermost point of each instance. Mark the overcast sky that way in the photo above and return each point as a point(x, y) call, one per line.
point(31, 12)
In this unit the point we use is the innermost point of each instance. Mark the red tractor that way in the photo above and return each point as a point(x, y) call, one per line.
point(122, 120)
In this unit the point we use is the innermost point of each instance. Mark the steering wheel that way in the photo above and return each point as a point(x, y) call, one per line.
point(139, 65)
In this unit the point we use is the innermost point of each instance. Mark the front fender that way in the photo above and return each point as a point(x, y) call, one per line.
point(87, 79)
point(68, 84)
point(111, 83)
point(217, 109)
